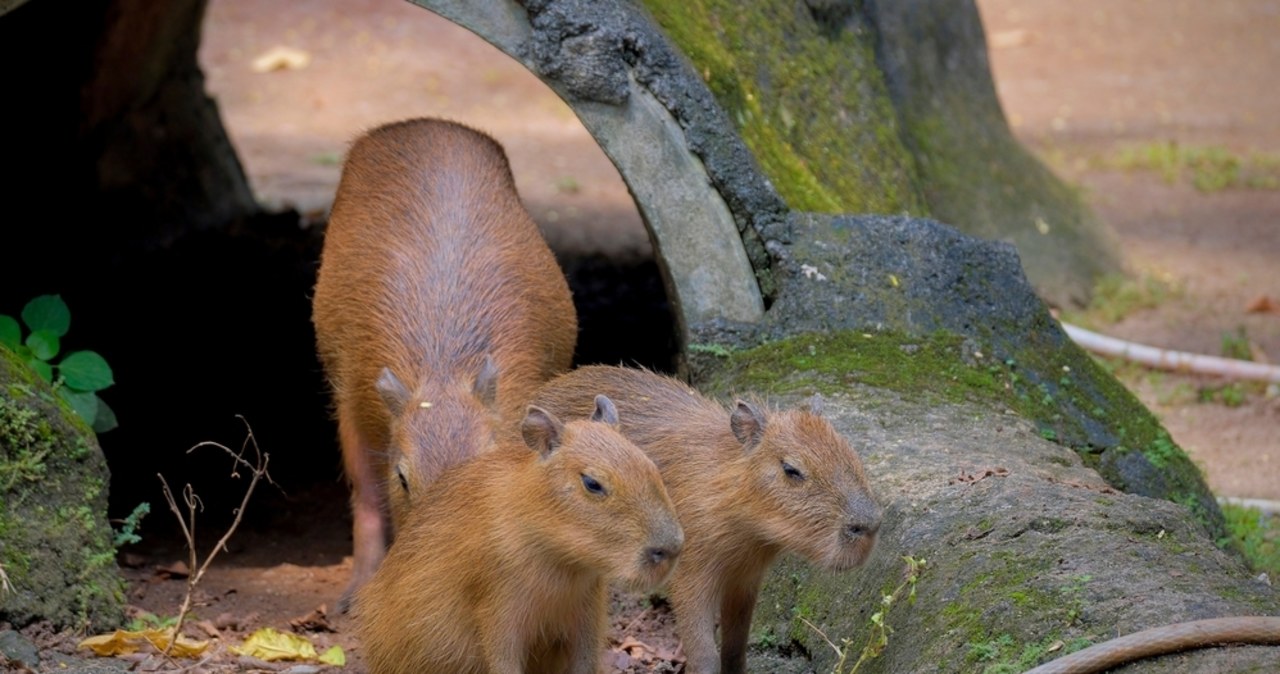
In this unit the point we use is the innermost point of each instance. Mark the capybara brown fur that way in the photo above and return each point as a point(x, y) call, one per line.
point(438, 311)
point(503, 566)
point(748, 484)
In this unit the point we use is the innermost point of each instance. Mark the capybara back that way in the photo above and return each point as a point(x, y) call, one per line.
point(438, 310)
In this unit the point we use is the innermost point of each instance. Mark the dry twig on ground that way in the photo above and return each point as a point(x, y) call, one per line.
point(188, 521)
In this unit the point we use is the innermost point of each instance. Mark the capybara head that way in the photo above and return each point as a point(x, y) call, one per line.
point(605, 506)
point(810, 494)
point(433, 431)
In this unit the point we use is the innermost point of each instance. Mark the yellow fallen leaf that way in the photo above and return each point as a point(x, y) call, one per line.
point(124, 642)
point(334, 656)
point(281, 58)
point(271, 644)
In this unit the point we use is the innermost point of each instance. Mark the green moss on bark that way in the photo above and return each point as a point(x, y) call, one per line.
point(1061, 390)
point(55, 543)
point(808, 101)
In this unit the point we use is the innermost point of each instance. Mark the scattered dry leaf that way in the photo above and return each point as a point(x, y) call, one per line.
point(638, 649)
point(209, 629)
point(1056, 645)
point(315, 621)
point(1263, 304)
point(334, 656)
point(281, 58)
point(970, 478)
point(123, 642)
point(1006, 39)
point(177, 569)
point(270, 644)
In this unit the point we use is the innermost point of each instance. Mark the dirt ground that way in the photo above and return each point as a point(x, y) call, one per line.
point(1078, 82)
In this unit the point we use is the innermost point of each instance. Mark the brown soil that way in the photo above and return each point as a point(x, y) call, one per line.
point(1078, 80)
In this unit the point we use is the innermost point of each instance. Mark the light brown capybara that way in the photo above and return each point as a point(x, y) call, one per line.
point(438, 311)
point(748, 484)
point(503, 566)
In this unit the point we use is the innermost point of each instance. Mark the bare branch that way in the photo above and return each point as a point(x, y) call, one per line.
point(258, 469)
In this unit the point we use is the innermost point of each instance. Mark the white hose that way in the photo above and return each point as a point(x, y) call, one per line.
point(1166, 359)
point(1264, 506)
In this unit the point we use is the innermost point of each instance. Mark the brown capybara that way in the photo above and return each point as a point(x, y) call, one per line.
point(503, 566)
point(438, 311)
point(748, 484)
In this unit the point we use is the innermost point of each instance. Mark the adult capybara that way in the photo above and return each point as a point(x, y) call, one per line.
point(438, 311)
point(502, 567)
point(748, 483)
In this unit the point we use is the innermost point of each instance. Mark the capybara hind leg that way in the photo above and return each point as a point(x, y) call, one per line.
point(368, 512)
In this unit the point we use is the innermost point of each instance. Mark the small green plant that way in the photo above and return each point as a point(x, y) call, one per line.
point(1231, 395)
point(1073, 594)
point(1212, 168)
point(127, 534)
point(326, 159)
point(150, 621)
point(1116, 296)
point(1236, 345)
point(568, 185)
point(880, 629)
point(987, 651)
point(1162, 450)
point(713, 349)
point(78, 376)
point(1258, 535)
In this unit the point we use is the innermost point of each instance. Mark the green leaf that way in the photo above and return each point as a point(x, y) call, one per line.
point(47, 312)
point(10, 331)
point(84, 404)
point(86, 371)
point(106, 418)
point(44, 344)
point(42, 368)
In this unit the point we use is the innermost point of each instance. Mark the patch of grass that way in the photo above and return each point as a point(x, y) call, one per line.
point(1002, 655)
point(149, 621)
point(1236, 345)
point(1209, 168)
point(568, 185)
point(1258, 535)
point(1231, 394)
point(326, 159)
point(1116, 296)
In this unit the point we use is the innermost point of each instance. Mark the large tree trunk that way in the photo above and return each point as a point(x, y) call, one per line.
point(110, 140)
point(888, 107)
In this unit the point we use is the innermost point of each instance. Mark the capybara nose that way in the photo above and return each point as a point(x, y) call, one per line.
point(666, 546)
point(856, 530)
point(862, 518)
point(661, 555)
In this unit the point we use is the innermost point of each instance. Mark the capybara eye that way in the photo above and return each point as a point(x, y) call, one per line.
point(592, 485)
point(791, 471)
point(404, 482)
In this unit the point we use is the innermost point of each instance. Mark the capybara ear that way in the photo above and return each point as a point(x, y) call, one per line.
point(605, 411)
point(541, 430)
point(393, 392)
point(814, 405)
point(747, 422)
point(486, 385)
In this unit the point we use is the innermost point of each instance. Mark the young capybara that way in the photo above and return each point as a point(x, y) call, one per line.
point(438, 310)
point(502, 567)
point(748, 484)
